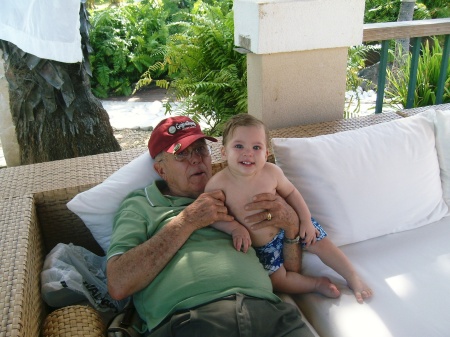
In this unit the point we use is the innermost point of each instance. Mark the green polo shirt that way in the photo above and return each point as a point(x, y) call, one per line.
point(207, 266)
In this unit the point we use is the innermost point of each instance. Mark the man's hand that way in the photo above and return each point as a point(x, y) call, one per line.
point(208, 208)
point(282, 215)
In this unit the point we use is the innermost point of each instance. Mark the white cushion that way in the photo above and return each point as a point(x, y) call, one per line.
point(409, 273)
point(368, 182)
point(98, 205)
point(442, 123)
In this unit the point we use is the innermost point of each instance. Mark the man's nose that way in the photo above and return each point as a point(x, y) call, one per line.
point(195, 157)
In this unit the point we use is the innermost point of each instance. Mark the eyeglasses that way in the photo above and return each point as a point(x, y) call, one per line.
point(202, 150)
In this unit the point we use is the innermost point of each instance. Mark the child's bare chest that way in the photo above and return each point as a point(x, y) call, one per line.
point(242, 193)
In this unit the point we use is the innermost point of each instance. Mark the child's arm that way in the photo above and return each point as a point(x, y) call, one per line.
point(240, 234)
point(307, 231)
point(287, 190)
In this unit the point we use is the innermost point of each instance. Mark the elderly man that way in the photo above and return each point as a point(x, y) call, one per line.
point(185, 277)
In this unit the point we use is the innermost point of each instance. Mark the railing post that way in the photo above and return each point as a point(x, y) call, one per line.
point(382, 76)
point(443, 71)
point(386, 31)
point(413, 73)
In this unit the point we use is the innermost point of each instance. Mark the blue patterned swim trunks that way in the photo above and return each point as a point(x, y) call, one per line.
point(271, 255)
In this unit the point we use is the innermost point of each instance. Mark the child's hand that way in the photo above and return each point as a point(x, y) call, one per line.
point(308, 233)
point(241, 238)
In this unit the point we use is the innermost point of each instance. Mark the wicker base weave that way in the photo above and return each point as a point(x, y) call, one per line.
point(73, 321)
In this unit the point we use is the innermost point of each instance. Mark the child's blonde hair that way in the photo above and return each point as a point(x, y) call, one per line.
point(242, 120)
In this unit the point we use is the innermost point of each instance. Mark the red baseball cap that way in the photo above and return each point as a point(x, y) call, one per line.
point(175, 134)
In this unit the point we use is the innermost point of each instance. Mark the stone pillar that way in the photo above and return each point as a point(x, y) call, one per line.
point(297, 56)
point(8, 137)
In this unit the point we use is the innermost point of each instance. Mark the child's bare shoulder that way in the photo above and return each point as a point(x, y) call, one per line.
point(272, 168)
point(216, 181)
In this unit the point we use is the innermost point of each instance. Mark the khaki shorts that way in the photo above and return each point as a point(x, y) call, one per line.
point(236, 316)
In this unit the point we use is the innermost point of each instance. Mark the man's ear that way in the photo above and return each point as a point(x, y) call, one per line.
point(159, 168)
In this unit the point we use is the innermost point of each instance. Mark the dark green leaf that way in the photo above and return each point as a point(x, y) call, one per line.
point(67, 90)
point(69, 112)
point(48, 71)
point(32, 61)
point(47, 95)
point(34, 96)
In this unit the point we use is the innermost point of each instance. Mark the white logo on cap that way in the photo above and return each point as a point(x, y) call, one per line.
point(172, 129)
point(186, 125)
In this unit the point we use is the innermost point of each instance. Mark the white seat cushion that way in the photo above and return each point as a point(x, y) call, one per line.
point(410, 275)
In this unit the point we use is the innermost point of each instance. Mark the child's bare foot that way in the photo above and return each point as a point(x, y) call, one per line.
point(361, 290)
point(326, 288)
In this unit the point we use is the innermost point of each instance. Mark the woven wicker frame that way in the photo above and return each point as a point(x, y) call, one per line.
point(34, 218)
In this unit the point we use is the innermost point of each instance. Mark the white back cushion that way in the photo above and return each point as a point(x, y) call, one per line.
point(368, 182)
point(98, 205)
point(442, 123)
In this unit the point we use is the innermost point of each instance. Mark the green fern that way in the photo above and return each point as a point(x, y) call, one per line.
point(205, 72)
point(126, 41)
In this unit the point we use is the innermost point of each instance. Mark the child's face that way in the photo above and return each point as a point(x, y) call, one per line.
point(246, 150)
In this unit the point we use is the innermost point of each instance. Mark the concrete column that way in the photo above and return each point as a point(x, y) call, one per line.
point(8, 136)
point(297, 56)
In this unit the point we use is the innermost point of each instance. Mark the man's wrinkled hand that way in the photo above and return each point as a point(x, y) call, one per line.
point(282, 215)
point(208, 208)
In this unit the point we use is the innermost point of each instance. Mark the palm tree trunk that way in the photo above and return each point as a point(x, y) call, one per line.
point(406, 13)
point(48, 127)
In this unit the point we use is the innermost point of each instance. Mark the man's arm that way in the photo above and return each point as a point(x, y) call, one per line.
point(284, 217)
point(135, 269)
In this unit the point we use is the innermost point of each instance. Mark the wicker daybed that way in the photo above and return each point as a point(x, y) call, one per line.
point(34, 218)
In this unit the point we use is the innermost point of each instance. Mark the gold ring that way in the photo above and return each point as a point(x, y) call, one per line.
point(269, 216)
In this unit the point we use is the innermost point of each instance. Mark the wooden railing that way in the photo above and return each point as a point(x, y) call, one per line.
point(416, 29)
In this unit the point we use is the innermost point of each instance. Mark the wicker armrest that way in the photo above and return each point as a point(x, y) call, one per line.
point(22, 255)
point(74, 321)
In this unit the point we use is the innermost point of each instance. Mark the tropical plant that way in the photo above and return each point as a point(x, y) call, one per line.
point(427, 78)
point(388, 10)
point(355, 63)
point(126, 41)
point(205, 71)
point(437, 8)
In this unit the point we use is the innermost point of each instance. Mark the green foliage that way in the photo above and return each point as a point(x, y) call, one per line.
point(126, 41)
point(387, 10)
point(437, 8)
point(355, 63)
point(205, 71)
point(427, 79)
point(381, 11)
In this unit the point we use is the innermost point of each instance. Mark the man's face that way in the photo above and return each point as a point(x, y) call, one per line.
point(187, 177)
